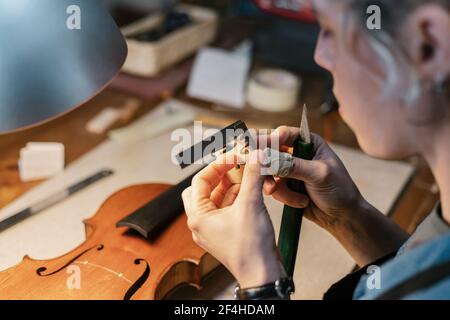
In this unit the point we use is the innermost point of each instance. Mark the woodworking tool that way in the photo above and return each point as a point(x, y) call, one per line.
point(292, 217)
point(53, 199)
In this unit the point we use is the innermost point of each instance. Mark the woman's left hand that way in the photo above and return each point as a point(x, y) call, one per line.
point(231, 222)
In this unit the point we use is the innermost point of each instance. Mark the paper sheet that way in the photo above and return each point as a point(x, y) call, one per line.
point(219, 76)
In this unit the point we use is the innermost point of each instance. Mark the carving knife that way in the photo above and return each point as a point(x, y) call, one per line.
point(292, 217)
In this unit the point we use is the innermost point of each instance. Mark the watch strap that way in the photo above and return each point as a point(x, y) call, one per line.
point(279, 290)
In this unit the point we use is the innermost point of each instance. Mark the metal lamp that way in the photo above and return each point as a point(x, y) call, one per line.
point(54, 56)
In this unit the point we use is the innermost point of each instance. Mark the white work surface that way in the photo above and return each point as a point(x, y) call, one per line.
point(57, 230)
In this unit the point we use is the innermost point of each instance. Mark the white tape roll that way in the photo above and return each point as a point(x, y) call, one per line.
point(273, 90)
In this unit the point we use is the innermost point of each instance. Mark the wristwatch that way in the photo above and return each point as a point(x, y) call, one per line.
point(279, 290)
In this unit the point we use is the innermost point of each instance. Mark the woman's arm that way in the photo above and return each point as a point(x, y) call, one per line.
point(335, 203)
point(367, 234)
point(232, 223)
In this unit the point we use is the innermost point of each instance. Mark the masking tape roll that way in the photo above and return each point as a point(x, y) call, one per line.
point(273, 90)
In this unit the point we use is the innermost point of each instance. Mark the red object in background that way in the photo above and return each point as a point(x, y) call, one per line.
point(291, 9)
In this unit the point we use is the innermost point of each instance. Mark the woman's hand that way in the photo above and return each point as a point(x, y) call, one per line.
point(333, 196)
point(231, 221)
point(335, 203)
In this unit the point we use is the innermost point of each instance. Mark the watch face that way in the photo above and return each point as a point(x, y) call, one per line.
point(54, 56)
point(285, 287)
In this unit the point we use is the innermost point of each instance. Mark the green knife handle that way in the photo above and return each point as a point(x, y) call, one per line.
point(291, 222)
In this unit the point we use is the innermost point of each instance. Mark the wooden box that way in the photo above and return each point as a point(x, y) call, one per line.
point(149, 58)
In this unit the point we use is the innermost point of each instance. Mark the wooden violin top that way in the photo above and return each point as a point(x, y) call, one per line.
point(114, 263)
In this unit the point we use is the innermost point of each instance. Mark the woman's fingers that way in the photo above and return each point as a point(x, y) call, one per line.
point(186, 196)
point(287, 135)
point(284, 137)
point(252, 180)
point(311, 172)
point(218, 194)
point(230, 196)
point(207, 180)
point(287, 196)
point(270, 185)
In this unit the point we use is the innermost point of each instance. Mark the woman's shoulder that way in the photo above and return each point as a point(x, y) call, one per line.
point(434, 226)
point(437, 291)
point(419, 273)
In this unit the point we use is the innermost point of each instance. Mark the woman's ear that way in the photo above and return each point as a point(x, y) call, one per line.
point(426, 35)
point(427, 32)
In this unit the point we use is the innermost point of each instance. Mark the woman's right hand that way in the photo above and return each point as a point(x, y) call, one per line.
point(332, 195)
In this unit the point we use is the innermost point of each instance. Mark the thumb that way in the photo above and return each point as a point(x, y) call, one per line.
point(252, 179)
point(308, 171)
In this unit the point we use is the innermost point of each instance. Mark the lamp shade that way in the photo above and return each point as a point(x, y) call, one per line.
point(54, 56)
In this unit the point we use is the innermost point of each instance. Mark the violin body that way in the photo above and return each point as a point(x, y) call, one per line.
point(114, 263)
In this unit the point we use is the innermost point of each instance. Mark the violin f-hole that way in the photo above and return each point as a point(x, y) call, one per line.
point(40, 270)
point(140, 281)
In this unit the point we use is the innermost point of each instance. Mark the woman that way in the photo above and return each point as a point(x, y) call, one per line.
point(393, 86)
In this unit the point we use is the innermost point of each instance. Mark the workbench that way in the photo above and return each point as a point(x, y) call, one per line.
point(321, 259)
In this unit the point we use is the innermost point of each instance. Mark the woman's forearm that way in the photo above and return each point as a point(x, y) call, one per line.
point(367, 234)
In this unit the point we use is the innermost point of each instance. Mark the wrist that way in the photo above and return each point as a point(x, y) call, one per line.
point(260, 272)
point(281, 289)
point(351, 227)
point(349, 217)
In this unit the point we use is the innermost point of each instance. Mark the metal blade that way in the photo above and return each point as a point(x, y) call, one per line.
point(305, 134)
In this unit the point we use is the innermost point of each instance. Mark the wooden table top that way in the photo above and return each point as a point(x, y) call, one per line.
point(147, 161)
point(69, 129)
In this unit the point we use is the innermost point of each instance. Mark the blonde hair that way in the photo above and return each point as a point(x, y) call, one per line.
point(385, 41)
